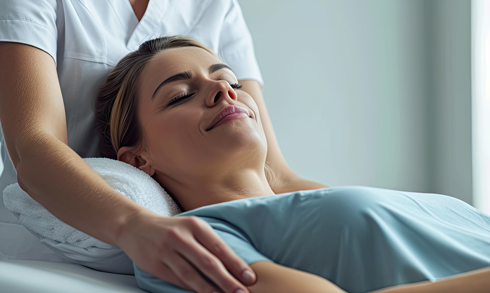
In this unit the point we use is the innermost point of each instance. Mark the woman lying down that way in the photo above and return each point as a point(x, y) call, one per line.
point(175, 111)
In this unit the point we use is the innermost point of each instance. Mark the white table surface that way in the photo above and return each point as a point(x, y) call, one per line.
point(25, 276)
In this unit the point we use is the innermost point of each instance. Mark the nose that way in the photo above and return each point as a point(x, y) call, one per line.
point(220, 89)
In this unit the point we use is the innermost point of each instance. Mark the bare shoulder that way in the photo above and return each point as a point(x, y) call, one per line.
point(272, 277)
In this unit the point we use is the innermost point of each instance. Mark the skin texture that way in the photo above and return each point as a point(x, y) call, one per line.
point(196, 166)
point(139, 7)
point(272, 277)
point(476, 281)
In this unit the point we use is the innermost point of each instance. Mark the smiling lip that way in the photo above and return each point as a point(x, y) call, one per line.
point(234, 112)
point(231, 117)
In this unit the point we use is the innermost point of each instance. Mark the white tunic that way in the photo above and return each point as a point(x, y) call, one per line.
point(86, 39)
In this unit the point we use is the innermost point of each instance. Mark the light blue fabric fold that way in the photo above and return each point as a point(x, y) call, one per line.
point(359, 238)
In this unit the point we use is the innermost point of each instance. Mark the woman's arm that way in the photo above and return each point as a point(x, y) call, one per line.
point(286, 179)
point(477, 281)
point(32, 117)
point(272, 277)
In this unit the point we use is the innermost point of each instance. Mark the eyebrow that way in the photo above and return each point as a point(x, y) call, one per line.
point(188, 75)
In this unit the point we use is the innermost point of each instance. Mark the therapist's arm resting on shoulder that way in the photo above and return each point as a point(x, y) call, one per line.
point(286, 180)
point(32, 116)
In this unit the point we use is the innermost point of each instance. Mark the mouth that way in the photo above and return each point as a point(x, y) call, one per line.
point(228, 113)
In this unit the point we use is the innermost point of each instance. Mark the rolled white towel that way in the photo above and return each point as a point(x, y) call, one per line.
point(54, 233)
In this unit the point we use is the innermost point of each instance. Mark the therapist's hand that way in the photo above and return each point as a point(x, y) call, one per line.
point(171, 248)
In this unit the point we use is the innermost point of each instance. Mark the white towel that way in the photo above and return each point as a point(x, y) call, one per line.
point(124, 178)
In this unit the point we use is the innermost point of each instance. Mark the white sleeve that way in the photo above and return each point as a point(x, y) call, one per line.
point(31, 22)
point(236, 45)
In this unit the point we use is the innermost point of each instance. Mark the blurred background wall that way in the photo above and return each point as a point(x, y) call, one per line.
point(373, 93)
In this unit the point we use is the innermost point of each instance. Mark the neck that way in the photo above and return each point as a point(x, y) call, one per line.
point(197, 191)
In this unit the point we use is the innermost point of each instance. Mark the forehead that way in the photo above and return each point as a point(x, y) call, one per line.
point(176, 60)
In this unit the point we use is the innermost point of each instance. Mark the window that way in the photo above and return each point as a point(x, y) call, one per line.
point(480, 88)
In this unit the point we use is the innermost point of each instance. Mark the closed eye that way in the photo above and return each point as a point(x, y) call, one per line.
point(179, 98)
point(185, 95)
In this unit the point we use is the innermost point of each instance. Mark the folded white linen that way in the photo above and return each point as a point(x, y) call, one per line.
point(54, 233)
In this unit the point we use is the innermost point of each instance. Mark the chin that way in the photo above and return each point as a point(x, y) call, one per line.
point(243, 138)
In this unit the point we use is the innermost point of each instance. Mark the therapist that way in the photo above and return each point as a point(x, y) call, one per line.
point(54, 55)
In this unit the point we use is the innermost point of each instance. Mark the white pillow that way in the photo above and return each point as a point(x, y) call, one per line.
point(77, 246)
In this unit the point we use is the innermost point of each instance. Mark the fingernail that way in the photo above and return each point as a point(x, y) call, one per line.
point(248, 276)
point(239, 291)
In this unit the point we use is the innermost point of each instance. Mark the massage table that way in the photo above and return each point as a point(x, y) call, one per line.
point(26, 276)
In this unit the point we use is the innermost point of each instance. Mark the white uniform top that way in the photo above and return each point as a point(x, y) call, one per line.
point(86, 39)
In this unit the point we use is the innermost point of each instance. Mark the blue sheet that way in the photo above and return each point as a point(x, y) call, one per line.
point(359, 238)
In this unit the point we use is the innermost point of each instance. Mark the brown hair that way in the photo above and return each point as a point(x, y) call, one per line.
point(117, 100)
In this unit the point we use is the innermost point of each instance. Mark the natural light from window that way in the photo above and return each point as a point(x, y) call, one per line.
point(480, 87)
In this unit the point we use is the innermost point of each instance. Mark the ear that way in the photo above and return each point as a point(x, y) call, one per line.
point(140, 161)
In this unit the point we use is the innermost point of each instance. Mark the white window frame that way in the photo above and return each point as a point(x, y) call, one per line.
point(480, 100)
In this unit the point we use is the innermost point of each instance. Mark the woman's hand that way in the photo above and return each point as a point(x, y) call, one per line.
point(171, 248)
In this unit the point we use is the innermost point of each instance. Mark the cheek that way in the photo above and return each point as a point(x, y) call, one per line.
point(173, 133)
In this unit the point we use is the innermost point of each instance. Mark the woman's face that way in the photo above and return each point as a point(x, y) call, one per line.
point(177, 140)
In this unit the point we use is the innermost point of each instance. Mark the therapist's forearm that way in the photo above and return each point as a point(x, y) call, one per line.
point(477, 281)
point(56, 177)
